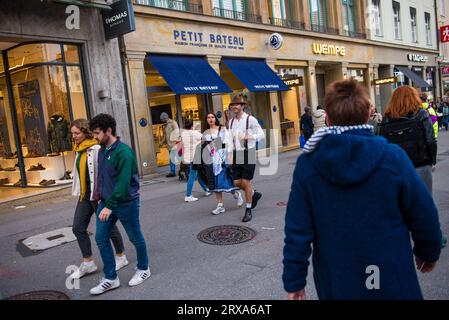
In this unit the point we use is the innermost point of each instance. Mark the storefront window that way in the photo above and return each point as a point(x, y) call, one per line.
point(40, 82)
point(357, 74)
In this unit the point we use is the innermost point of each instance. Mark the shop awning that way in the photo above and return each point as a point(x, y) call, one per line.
point(188, 74)
point(417, 80)
point(255, 74)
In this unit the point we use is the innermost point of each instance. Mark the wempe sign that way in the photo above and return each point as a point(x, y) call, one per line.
point(119, 20)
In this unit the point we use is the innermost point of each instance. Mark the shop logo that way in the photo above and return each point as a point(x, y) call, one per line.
point(417, 58)
point(275, 42)
point(328, 49)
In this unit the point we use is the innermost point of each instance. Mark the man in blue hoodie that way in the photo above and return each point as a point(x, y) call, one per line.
point(361, 243)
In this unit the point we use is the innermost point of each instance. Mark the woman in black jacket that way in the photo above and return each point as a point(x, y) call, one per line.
point(306, 124)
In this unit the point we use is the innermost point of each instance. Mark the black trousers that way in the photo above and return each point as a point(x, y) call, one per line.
point(83, 214)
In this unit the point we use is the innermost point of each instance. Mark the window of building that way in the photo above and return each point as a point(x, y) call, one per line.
point(428, 28)
point(413, 27)
point(348, 11)
point(397, 20)
point(377, 17)
point(231, 9)
point(41, 93)
point(442, 8)
point(181, 5)
point(318, 16)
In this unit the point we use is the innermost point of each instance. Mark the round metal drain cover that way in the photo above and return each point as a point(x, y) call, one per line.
point(226, 235)
point(40, 295)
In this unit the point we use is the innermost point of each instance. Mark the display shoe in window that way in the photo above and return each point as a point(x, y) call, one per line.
point(16, 165)
point(39, 167)
point(4, 181)
point(54, 154)
point(48, 183)
point(66, 176)
point(18, 183)
point(9, 169)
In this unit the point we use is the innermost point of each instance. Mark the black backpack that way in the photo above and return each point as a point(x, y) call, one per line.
point(409, 134)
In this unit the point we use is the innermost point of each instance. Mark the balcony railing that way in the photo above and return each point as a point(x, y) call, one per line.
point(287, 23)
point(236, 15)
point(172, 5)
point(354, 34)
point(323, 29)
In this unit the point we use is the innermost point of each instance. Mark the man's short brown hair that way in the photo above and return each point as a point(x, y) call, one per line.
point(347, 103)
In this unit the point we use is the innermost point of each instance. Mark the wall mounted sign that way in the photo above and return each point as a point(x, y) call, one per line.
point(208, 40)
point(143, 122)
point(412, 57)
point(389, 80)
point(275, 42)
point(328, 49)
point(219, 114)
point(119, 20)
point(294, 82)
point(444, 34)
point(445, 70)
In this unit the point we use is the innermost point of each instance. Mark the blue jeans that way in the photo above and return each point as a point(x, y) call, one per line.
point(173, 156)
point(128, 214)
point(193, 176)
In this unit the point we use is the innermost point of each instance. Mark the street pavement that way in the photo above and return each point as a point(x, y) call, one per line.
point(183, 267)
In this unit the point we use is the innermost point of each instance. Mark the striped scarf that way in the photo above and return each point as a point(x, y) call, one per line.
point(314, 141)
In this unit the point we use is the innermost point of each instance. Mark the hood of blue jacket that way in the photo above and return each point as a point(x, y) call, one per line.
point(348, 158)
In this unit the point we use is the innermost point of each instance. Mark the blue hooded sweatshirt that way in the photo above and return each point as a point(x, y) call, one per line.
point(357, 199)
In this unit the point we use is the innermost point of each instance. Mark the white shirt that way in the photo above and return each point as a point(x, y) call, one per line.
point(190, 140)
point(238, 132)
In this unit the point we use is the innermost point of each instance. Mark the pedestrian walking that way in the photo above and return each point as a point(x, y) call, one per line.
point(171, 139)
point(190, 139)
point(85, 173)
point(446, 115)
point(118, 193)
point(410, 127)
point(219, 146)
point(319, 118)
point(306, 124)
point(433, 115)
point(375, 118)
point(245, 132)
point(361, 244)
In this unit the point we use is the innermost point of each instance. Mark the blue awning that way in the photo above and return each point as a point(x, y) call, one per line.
point(415, 78)
point(188, 74)
point(255, 74)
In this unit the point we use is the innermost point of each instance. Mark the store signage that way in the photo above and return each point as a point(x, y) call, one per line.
point(275, 42)
point(294, 82)
point(119, 20)
point(383, 81)
point(328, 49)
point(444, 33)
point(417, 58)
point(445, 70)
point(207, 40)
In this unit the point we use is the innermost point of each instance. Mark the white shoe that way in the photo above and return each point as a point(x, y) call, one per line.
point(105, 285)
point(190, 199)
point(239, 198)
point(219, 210)
point(139, 277)
point(120, 262)
point(84, 270)
point(207, 194)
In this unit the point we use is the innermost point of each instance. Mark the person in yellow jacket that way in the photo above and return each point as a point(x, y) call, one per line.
point(432, 113)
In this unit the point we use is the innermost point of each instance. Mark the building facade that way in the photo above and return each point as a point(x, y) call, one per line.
point(51, 74)
point(443, 20)
point(320, 41)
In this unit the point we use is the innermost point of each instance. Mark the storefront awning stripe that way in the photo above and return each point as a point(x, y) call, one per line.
point(255, 74)
point(188, 74)
point(415, 78)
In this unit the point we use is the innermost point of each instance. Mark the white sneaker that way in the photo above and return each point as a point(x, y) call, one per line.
point(207, 194)
point(120, 262)
point(219, 210)
point(84, 270)
point(190, 199)
point(239, 198)
point(139, 277)
point(105, 285)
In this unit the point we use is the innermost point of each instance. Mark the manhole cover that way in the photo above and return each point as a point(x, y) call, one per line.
point(226, 235)
point(40, 295)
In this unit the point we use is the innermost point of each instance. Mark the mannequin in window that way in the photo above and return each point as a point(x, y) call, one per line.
point(59, 138)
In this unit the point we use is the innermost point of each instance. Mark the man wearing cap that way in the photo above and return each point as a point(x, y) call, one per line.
point(171, 138)
point(246, 132)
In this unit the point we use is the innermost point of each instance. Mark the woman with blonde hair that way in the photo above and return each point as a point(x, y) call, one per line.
point(84, 184)
point(410, 126)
